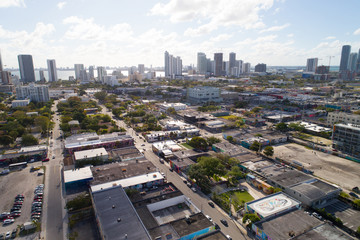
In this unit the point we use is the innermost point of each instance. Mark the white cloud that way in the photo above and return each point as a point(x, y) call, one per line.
point(330, 38)
point(357, 31)
point(275, 28)
point(61, 5)
point(245, 14)
point(290, 35)
point(221, 37)
point(12, 3)
point(86, 29)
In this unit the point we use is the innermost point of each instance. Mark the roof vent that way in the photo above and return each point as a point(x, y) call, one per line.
point(113, 206)
point(109, 198)
point(119, 219)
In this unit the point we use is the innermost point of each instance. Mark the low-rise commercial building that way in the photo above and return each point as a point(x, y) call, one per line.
point(203, 94)
point(346, 139)
point(77, 178)
point(342, 117)
point(91, 154)
point(177, 106)
point(86, 141)
point(20, 103)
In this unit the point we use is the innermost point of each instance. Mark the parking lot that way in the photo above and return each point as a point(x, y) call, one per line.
point(18, 182)
point(349, 216)
point(340, 171)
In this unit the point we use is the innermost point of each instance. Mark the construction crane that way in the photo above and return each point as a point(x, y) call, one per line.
point(330, 57)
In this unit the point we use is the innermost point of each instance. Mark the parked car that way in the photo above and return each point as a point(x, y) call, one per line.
point(228, 237)
point(171, 170)
point(20, 196)
point(211, 204)
point(8, 235)
point(193, 189)
point(188, 184)
point(8, 221)
point(45, 160)
point(208, 217)
point(353, 195)
point(216, 226)
point(224, 222)
point(13, 233)
point(15, 215)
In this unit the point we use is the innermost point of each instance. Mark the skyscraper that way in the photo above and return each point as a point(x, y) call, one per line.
point(101, 71)
point(345, 55)
point(201, 63)
point(358, 63)
point(167, 64)
point(42, 76)
point(246, 68)
point(26, 66)
point(52, 70)
point(232, 62)
point(311, 64)
point(141, 68)
point(352, 61)
point(173, 65)
point(261, 67)
point(91, 72)
point(218, 62)
point(78, 69)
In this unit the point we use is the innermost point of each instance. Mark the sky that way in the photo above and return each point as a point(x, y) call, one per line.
point(130, 32)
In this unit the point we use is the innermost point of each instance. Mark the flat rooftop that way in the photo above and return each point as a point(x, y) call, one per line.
point(295, 222)
point(214, 236)
point(257, 166)
point(89, 139)
point(273, 204)
point(117, 216)
point(196, 223)
point(77, 174)
point(128, 182)
point(124, 154)
point(121, 170)
point(324, 232)
point(91, 153)
point(290, 178)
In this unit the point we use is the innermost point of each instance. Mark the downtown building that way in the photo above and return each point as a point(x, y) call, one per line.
point(346, 138)
point(344, 62)
point(173, 65)
point(26, 67)
point(4, 75)
point(101, 72)
point(202, 63)
point(218, 64)
point(52, 70)
point(36, 93)
point(261, 68)
point(311, 65)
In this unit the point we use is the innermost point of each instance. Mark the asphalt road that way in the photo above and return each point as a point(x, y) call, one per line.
point(52, 220)
point(200, 200)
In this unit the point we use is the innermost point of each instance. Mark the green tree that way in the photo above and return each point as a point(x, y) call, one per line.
point(198, 142)
point(269, 151)
point(6, 140)
point(171, 110)
point(197, 172)
point(282, 127)
point(100, 96)
point(296, 127)
point(211, 166)
point(356, 203)
point(29, 140)
point(236, 172)
point(255, 146)
point(212, 140)
point(252, 217)
point(230, 139)
point(43, 122)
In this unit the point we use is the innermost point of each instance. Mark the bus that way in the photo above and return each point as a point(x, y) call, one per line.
point(19, 165)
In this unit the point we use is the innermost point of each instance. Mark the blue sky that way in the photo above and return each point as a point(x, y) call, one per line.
point(129, 32)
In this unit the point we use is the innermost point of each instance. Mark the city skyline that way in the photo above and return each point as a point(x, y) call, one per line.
point(93, 33)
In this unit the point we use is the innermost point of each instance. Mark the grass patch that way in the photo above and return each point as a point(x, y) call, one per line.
point(187, 146)
point(238, 199)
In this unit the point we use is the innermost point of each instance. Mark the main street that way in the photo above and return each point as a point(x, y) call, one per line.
point(53, 209)
point(235, 230)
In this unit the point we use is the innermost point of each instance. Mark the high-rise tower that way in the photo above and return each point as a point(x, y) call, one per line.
point(345, 56)
point(52, 70)
point(201, 63)
point(218, 61)
point(26, 66)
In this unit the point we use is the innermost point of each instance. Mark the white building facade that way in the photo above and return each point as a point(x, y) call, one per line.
point(36, 93)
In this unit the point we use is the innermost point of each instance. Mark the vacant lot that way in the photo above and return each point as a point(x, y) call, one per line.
point(340, 171)
point(18, 182)
point(238, 198)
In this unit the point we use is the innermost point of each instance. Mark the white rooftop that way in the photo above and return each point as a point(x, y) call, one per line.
point(128, 182)
point(77, 174)
point(91, 153)
point(33, 148)
point(272, 204)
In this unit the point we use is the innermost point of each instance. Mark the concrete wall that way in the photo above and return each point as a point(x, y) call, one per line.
point(166, 203)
